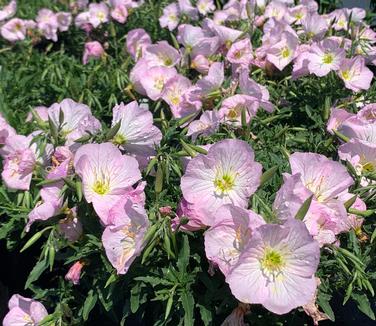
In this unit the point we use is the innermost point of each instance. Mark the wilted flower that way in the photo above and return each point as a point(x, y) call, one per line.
point(74, 273)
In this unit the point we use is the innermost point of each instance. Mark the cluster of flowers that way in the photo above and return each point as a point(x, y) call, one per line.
point(272, 264)
point(48, 23)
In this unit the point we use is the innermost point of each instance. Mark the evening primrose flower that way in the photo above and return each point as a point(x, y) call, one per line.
point(170, 17)
point(277, 268)
point(283, 52)
point(14, 30)
point(324, 57)
point(207, 125)
point(205, 6)
point(106, 175)
point(99, 13)
point(137, 135)
point(161, 54)
point(228, 174)
point(24, 312)
point(355, 74)
point(154, 80)
point(231, 231)
point(240, 53)
point(137, 41)
point(8, 11)
point(123, 239)
point(6, 130)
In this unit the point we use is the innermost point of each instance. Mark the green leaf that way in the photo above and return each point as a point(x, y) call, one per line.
point(267, 175)
point(304, 208)
point(188, 305)
point(363, 304)
point(36, 272)
point(184, 253)
point(135, 298)
point(89, 304)
point(206, 315)
point(323, 301)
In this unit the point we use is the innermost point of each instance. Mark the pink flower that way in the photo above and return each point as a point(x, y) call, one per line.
point(205, 6)
point(207, 125)
point(98, 14)
point(324, 57)
point(337, 117)
point(47, 24)
point(325, 178)
point(19, 162)
point(106, 175)
point(74, 273)
point(213, 81)
point(137, 41)
point(233, 106)
point(64, 19)
point(8, 11)
point(120, 14)
point(174, 90)
point(14, 30)
point(314, 26)
point(137, 135)
point(5, 130)
point(283, 52)
point(186, 8)
point(24, 312)
point(170, 17)
point(230, 234)
point(92, 50)
point(123, 240)
point(62, 160)
point(240, 53)
point(355, 74)
point(50, 205)
point(228, 174)
point(276, 10)
point(191, 214)
point(277, 268)
point(226, 35)
point(361, 155)
point(70, 227)
point(201, 64)
point(77, 122)
point(154, 80)
point(161, 54)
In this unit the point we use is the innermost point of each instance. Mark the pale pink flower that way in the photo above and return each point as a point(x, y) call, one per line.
point(137, 41)
point(123, 241)
point(137, 135)
point(240, 53)
point(191, 213)
point(213, 81)
point(47, 24)
point(6, 130)
point(120, 13)
point(324, 57)
point(207, 125)
point(170, 17)
point(186, 8)
point(24, 312)
point(70, 227)
point(173, 91)
point(64, 20)
point(201, 64)
point(228, 174)
point(14, 30)
point(77, 122)
point(92, 50)
point(205, 6)
point(62, 160)
point(277, 268)
point(325, 178)
point(314, 26)
point(98, 14)
point(154, 80)
point(361, 155)
point(137, 74)
point(276, 10)
point(49, 206)
point(233, 106)
point(337, 117)
point(8, 11)
point(283, 52)
point(74, 273)
point(301, 62)
point(82, 21)
point(106, 175)
point(226, 35)
point(354, 222)
point(355, 74)
point(19, 162)
point(311, 5)
point(297, 14)
point(226, 239)
point(161, 54)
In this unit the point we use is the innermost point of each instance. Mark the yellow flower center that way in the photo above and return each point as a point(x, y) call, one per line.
point(159, 83)
point(328, 58)
point(101, 16)
point(225, 183)
point(119, 139)
point(101, 187)
point(285, 53)
point(272, 261)
point(174, 99)
point(232, 114)
point(368, 167)
point(345, 74)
